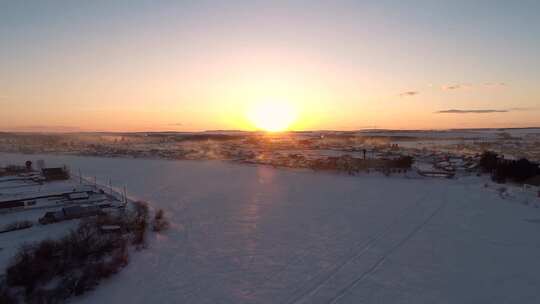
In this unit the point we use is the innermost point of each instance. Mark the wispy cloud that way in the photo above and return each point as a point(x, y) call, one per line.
point(458, 86)
point(451, 87)
point(482, 111)
point(44, 128)
point(522, 109)
point(409, 93)
point(455, 111)
point(494, 84)
point(176, 124)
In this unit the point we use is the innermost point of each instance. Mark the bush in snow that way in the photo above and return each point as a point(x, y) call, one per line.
point(78, 262)
point(52, 271)
point(33, 265)
point(160, 222)
point(488, 161)
point(503, 169)
point(6, 296)
point(138, 222)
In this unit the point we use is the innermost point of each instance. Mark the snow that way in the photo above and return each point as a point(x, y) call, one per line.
point(255, 234)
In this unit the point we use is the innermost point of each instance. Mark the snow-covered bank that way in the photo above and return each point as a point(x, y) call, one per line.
point(254, 234)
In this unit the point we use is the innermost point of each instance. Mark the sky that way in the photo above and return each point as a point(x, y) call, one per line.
point(205, 65)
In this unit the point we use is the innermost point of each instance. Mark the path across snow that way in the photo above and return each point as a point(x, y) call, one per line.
point(254, 234)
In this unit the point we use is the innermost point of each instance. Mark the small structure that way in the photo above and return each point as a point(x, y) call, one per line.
point(69, 213)
point(110, 229)
point(11, 205)
point(59, 173)
point(444, 174)
point(78, 196)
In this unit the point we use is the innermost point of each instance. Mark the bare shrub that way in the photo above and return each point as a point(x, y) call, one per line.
point(6, 297)
point(45, 296)
point(118, 260)
point(52, 271)
point(32, 265)
point(87, 280)
point(160, 222)
point(140, 209)
point(138, 222)
point(81, 259)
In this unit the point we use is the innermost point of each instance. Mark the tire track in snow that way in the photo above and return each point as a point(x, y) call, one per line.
point(310, 296)
point(343, 292)
point(364, 247)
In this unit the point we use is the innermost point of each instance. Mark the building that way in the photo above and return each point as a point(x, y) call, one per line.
point(59, 173)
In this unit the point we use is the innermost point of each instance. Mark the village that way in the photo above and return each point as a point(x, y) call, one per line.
point(436, 154)
point(23, 188)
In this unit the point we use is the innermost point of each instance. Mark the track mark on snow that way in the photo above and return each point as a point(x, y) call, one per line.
point(364, 247)
point(379, 262)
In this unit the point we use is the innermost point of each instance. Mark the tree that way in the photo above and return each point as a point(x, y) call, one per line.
point(488, 161)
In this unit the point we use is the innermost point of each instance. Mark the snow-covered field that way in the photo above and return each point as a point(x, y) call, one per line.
point(254, 234)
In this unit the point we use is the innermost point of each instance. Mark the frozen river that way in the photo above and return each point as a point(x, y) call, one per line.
point(254, 234)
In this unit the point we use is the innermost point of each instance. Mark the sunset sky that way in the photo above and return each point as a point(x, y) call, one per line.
point(202, 65)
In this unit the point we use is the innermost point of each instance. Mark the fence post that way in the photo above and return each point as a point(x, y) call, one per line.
point(125, 195)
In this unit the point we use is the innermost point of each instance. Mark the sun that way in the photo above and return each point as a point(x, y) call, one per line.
point(272, 116)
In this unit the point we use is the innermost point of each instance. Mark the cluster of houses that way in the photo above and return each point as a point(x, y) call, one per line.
point(446, 164)
point(342, 163)
point(24, 189)
point(80, 195)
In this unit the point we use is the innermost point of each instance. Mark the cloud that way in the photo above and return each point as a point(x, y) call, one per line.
point(494, 84)
point(522, 109)
point(44, 129)
point(455, 111)
point(483, 111)
point(451, 87)
point(455, 87)
point(459, 86)
point(176, 124)
point(409, 93)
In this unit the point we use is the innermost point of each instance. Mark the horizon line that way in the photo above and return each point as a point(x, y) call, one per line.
point(262, 131)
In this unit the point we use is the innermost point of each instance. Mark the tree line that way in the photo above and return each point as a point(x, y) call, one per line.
point(502, 169)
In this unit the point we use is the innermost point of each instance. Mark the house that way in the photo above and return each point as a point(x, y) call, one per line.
point(69, 213)
point(59, 173)
point(78, 196)
point(80, 211)
point(11, 205)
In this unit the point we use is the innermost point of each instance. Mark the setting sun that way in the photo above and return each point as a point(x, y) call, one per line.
point(272, 116)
